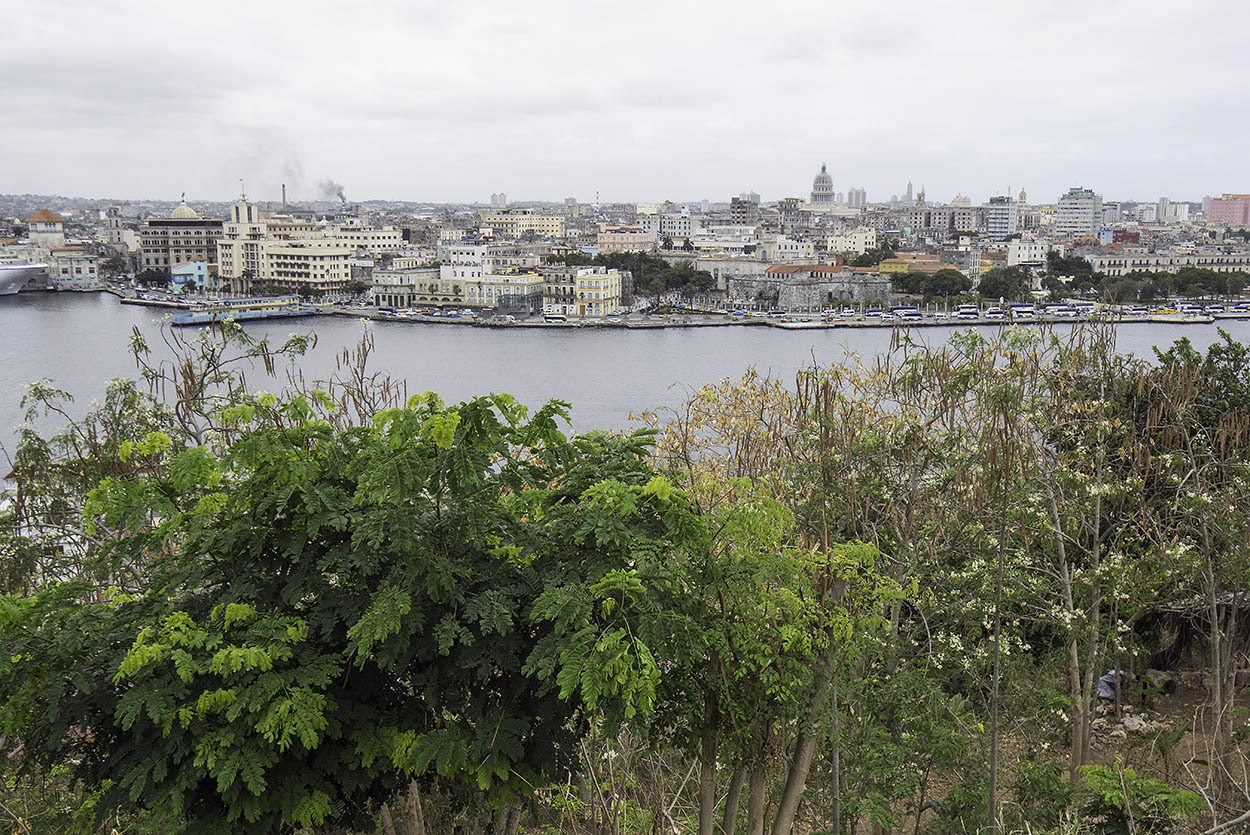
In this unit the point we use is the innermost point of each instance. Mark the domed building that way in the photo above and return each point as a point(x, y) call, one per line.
point(184, 212)
point(184, 236)
point(822, 191)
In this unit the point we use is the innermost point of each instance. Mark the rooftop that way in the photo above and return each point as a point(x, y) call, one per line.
point(45, 216)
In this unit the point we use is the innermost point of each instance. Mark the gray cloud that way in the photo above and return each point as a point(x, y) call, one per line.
point(640, 101)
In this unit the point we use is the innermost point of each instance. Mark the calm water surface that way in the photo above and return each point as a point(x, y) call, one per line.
point(80, 341)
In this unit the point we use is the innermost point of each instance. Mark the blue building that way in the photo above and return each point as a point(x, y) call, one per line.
point(189, 277)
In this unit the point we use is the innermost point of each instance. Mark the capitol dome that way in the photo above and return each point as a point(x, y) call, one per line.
point(822, 188)
point(184, 212)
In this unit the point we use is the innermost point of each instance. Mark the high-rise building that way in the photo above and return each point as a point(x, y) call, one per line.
point(744, 212)
point(1165, 210)
point(857, 198)
point(499, 201)
point(1079, 212)
point(1001, 216)
point(909, 200)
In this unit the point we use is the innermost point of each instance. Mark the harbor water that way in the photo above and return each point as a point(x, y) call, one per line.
point(80, 341)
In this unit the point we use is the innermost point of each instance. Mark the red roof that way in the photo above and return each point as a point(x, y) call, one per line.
point(45, 216)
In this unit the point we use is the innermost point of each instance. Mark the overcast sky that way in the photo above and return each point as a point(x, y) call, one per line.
point(639, 100)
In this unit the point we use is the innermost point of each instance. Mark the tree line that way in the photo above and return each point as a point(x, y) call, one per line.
point(878, 597)
point(654, 276)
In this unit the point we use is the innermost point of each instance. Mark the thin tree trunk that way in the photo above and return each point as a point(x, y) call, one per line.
point(1080, 718)
point(730, 820)
point(388, 823)
point(992, 828)
point(707, 770)
point(804, 752)
point(413, 811)
point(512, 820)
point(755, 800)
point(837, 766)
point(1215, 637)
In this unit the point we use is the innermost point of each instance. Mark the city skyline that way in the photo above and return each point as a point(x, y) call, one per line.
point(451, 104)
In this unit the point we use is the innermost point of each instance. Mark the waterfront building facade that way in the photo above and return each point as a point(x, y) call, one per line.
point(1126, 262)
point(808, 287)
point(72, 268)
point(190, 276)
point(581, 291)
point(511, 290)
point(293, 254)
point(399, 288)
point(183, 236)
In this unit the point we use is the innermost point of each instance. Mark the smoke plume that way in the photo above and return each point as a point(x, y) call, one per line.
point(331, 190)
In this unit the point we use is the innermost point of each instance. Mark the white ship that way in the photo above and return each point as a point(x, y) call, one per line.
point(14, 277)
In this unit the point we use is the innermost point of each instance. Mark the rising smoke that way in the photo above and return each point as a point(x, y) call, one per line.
point(331, 190)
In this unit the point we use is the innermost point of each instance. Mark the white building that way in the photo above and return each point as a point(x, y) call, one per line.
point(1001, 216)
point(280, 252)
point(676, 226)
point(1079, 213)
point(72, 268)
point(783, 250)
point(1030, 253)
point(1127, 262)
point(364, 236)
point(856, 241)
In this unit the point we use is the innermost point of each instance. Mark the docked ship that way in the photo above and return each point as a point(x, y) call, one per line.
point(245, 310)
point(14, 277)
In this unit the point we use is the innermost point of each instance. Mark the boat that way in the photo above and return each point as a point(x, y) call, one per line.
point(245, 310)
point(14, 277)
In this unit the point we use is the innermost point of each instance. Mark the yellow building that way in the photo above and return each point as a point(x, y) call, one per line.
point(581, 291)
point(513, 289)
point(598, 292)
point(514, 223)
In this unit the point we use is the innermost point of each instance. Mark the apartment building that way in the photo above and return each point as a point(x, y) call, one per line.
point(633, 238)
point(1001, 216)
point(1079, 212)
point(513, 224)
point(856, 241)
point(401, 287)
point(677, 227)
point(581, 291)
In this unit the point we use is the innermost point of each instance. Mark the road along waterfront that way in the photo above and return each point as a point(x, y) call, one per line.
point(80, 340)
